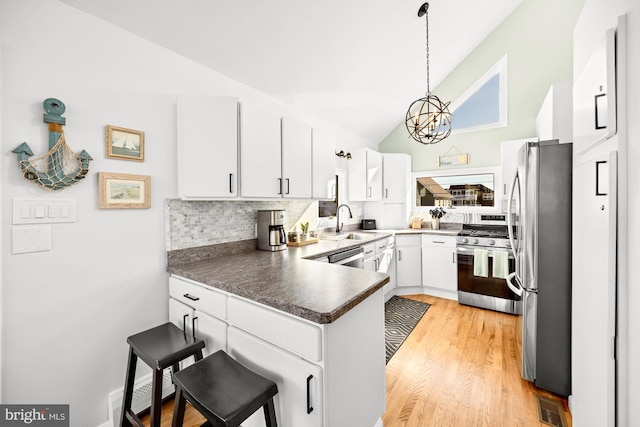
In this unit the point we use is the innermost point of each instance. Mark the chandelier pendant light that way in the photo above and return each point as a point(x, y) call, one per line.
point(428, 119)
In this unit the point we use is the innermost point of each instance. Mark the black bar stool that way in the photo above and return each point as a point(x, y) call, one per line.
point(225, 392)
point(161, 347)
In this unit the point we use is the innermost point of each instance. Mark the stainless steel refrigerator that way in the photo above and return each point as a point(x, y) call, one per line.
point(539, 217)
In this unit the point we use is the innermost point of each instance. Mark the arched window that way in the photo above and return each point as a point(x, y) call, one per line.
point(484, 104)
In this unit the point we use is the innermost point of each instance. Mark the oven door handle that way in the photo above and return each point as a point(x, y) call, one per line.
point(516, 287)
point(463, 250)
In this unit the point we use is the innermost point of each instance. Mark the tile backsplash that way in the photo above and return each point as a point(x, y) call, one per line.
point(190, 224)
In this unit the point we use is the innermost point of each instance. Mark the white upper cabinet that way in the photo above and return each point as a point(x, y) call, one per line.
point(324, 164)
point(229, 148)
point(296, 159)
point(594, 97)
point(365, 175)
point(396, 177)
point(207, 147)
point(260, 152)
point(508, 165)
point(555, 118)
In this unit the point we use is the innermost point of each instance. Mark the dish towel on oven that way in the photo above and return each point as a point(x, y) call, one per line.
point(500, 264)
point(480, 262)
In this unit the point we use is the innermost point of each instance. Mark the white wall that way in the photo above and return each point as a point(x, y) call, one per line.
point(66, 313)
point(596, 17)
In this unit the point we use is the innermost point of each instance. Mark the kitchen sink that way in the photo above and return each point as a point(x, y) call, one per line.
point(346, 236)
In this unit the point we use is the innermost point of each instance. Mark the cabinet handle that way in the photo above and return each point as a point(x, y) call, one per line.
point(375, 262)
point(184, 323)
point(230, 183)
point(386, 193)
point(193, 327)
point(399, 255)
point(598, 193)
point(287, 185)
point(437, 241)
point(191, 297)
point(280, 185)
point(453, 260)
point(600, 102)
point(369, 192)
point(309, 407)
point(382, 247)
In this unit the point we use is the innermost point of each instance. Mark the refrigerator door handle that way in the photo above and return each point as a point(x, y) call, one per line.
point(512, 240)
point(516, 288)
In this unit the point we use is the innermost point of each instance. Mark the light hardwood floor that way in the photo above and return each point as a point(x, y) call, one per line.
point(456, 369)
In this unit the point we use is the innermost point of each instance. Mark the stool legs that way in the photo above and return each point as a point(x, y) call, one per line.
point(128, 388)
point(156, 397)
point(178, 409)
point(270, 414)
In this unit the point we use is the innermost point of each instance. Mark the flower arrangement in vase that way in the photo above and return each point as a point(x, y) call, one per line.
point(436, 214)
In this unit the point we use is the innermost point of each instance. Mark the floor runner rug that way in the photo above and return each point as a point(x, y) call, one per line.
point(401, 315)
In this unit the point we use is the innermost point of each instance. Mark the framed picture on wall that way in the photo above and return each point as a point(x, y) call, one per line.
point(125, 144)
point(123, 191)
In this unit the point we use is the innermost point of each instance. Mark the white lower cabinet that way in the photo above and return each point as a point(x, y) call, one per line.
point(370, 261)
point(299, 401)
point(199, 311)
point(327, 374)
point(408, 260)
point(439, 267)
point(211, 330)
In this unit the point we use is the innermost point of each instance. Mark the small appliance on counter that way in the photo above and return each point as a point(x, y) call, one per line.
point(368, 224)
point(271, 234)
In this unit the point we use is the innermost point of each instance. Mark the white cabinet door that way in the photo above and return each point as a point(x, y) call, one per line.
point(508, 164)
point(555, 118)
point(211, 330)
point(593, 302)
point(207, 152)
point(365, 175)
point(296, 159)
point(260, 152)
point(409, 260)
point(594, 97)
point(299, 402)
point(396, 169)
point(374, 176)
point(439, 268)
point(324, 164)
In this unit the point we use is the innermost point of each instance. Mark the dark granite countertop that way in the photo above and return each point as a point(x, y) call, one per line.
point(285, 280)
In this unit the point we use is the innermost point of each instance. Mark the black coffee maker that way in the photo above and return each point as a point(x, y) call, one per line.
point(271, 235)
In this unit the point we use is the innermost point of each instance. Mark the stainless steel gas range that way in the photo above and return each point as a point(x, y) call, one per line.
point(484, 261)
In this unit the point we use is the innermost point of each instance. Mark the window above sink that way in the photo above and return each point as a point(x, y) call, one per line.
point(461, 190)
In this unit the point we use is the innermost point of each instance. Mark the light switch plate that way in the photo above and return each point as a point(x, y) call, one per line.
point(43, 211)
point(31, 239)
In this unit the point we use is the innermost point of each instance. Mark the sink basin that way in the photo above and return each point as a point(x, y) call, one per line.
point(346, 236)
point(358, 236)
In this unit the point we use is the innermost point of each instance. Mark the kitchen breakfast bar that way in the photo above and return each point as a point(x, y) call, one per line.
point(316, 329)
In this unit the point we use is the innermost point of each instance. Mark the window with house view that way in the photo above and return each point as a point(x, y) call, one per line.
point(473, 190)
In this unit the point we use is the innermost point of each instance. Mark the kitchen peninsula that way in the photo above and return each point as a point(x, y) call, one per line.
point(314, 328)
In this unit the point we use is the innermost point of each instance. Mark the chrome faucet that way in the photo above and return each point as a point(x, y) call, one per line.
point(338, 225)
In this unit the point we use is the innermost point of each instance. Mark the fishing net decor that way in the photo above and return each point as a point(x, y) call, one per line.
point(60, 167)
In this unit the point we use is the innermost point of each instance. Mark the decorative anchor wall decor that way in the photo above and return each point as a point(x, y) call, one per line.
point(60, 167)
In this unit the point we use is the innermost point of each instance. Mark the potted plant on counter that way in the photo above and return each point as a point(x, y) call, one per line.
point(436, 214)
point(305, 231)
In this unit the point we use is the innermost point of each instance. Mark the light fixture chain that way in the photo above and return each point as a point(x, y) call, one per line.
point(427, 33)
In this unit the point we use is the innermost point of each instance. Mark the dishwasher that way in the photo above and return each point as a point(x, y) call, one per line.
point(350, 258)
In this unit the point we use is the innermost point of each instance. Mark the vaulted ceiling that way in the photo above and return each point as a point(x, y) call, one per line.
point(357, 64)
